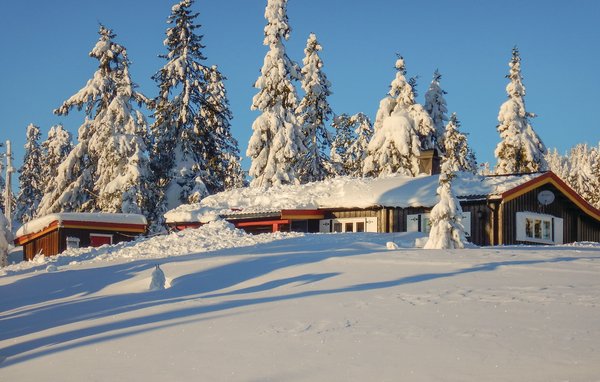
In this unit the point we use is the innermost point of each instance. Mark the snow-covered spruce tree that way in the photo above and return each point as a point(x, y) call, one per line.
point(194, 153)
point(447, 231)
point(342, 140)
point(349, 148)
point(435, 105)
point(225, 162)
point(108, 169)
point(558, 164)
point(277, 139)
point(313, 112)
point(402, 129)
point(31, 182)
point(6, 238)
point(358, 149)
point(459, 156)
point(583, 164)
point(55, 150)
point(520, 149)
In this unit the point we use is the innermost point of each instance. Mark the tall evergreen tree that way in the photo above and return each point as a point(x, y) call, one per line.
point(582, 175)
point(520, 150)
point(224, 158)
point(349, 148)
point(55, 150)
point(108, 169)
point(340, 146)
point(313, 112)
point(194, 153)
point(558, 164)
point(458, 154)
point(402, 129)
point(31, 182)
point(435, 105)
point(277, 139)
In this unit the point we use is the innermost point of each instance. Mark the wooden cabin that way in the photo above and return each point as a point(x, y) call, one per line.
point(497, 210)
point(52, 234)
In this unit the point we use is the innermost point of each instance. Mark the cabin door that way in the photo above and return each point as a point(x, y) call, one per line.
point(97, 239)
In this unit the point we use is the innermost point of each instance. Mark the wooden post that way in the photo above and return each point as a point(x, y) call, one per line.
point(7, 191)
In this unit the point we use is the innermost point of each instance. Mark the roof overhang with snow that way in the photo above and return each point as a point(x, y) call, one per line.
point(342, 193)
point(132, 223)
point(553, 179)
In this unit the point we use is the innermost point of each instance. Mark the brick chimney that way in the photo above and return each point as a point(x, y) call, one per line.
point(429, 162)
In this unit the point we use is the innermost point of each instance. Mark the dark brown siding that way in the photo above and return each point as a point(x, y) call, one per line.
point(55, 242)
point(84, 236)
point(577, 226)
point(480, 221)
point(588, 229)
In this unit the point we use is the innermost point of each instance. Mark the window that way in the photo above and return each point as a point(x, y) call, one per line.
point(421, 223)
point(539, 228)
point(368, 224)
point(72, 242)
point(337, 227)
point(360, 227)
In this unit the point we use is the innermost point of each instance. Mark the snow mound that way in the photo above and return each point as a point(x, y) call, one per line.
point(210, 237)
point(158, 279)
point(391, 245)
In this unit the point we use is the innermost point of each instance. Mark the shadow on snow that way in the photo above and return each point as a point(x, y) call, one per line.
point(199, 285)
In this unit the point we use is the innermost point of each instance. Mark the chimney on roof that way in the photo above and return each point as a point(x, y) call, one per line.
point(429, 162)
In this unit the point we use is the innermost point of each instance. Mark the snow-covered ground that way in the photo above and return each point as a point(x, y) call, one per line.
point(293, 307)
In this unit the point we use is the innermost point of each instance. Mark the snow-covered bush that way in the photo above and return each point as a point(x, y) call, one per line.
point(447, 231)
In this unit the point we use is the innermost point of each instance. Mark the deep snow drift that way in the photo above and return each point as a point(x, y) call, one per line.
point(293, 307)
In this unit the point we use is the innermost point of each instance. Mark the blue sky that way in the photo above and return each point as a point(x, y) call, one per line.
point(45, 59)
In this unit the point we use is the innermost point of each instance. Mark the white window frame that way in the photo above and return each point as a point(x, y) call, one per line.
point(533, 227)
point(326, 225)
point(421, 223)
point(72, 242)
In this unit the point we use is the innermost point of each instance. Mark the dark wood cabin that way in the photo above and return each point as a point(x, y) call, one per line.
point(540, 209)
point(52, 234)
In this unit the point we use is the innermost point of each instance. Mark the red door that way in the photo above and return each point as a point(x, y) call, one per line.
point(98, 240)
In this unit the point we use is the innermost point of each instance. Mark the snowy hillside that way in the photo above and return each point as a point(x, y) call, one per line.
point(302, 307)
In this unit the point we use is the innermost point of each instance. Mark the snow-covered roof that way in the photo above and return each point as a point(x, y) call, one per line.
point(39, 224)
point(344, 192)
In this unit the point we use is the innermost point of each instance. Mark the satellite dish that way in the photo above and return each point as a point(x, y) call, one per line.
point(545, 197)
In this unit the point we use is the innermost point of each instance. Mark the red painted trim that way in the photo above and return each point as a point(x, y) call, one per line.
point(260, 222)
point(111, 227)
point(104, 226)
point(302, 212)
point(22, 240)
point(550, 177)
point(182, 226)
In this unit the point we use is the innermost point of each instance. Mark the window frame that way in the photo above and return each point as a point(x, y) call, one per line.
point(533, 227)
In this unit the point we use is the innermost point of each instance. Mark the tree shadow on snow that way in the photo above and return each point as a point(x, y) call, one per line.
point(198, 286)
point(45, 292)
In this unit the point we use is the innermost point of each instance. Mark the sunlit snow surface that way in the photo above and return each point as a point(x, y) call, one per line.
point(302, 307)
